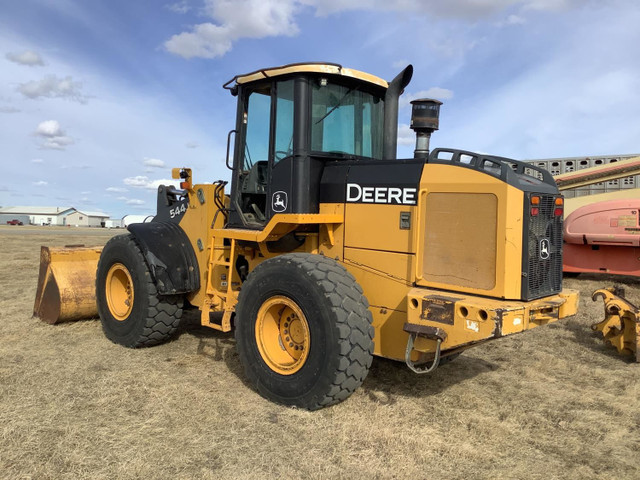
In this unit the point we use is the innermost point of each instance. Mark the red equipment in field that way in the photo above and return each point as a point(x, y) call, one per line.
point(602, 232)
point(603, 237)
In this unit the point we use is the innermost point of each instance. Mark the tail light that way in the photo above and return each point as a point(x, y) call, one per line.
point(558, 204)
point(559, 210)
point(535, 208)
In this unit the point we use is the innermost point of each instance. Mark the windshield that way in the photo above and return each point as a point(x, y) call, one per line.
point(346, 120)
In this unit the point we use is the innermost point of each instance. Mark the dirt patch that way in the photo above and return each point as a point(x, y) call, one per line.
point(550, 403)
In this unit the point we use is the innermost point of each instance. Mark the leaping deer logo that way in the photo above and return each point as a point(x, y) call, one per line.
point(545, 249)
point(279, 201)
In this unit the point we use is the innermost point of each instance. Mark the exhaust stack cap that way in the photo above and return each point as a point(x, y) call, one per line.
point(425, 119)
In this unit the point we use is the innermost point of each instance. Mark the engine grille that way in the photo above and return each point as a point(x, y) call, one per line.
point(542, 263)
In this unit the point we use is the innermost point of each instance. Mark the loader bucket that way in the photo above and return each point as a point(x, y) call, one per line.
point(67, 284)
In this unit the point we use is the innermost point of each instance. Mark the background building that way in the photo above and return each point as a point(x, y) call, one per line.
point(86, 219)
point(36, 215)
point(53, 216)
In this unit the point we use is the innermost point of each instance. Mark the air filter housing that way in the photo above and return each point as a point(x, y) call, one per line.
point(425, 119)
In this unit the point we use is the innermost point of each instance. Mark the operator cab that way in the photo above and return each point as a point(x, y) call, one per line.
point(291, 120)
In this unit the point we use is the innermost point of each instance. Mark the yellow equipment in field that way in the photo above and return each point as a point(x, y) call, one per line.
point(328, 250)
point(621, 325)
point(66, 283)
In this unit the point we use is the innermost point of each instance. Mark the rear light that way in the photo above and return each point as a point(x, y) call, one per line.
point(185, 185)
point(558, 211)
point(535, 211)
point(535, 200)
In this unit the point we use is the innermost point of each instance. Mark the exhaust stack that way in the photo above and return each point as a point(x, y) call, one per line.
point(425, 119)
point(390, 130)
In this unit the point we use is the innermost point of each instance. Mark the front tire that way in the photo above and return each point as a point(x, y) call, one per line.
point(132, 312)
point(303, 331)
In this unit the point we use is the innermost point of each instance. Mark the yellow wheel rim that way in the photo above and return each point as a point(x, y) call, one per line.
point(119, 291)
point(282, 335)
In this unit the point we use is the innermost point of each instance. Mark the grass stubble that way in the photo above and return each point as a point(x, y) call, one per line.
point(549, 403)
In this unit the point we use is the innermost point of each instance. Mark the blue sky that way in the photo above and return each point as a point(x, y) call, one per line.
point(99, 99)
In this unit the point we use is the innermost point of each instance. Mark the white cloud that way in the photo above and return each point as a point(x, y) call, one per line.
point(235, 19)
point(137, 181)
point(116, 189)
point(515, 20)
point(134, 201)
point(434, 92)
point(142, 181)
point(28, 57)
point(54, 87)
point(37, 160)
point(153, 162)
point(181, 7)
point(191, 145)
point(406, 136)
point(49, 128)
point(52, 135)
point(40, 183)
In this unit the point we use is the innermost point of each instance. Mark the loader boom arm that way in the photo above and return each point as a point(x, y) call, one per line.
point(600, 173)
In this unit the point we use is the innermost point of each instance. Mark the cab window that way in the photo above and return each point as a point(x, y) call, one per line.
point(345, 120)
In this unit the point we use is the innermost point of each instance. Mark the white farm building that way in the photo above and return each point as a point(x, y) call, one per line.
point(54, 216)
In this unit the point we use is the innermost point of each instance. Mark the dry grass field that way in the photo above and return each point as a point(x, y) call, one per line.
point(549, 403)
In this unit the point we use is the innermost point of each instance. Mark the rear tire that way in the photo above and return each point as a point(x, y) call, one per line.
point(132, 312)
point(303, 331)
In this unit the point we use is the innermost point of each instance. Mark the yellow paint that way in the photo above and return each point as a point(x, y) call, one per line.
point(377, 227)
point(66, 284)
point(331, 236)
point(119, 291)
point(279, 225)
point(621, 325)
point(477, 318)
point(282, 335)
point(383, 278)
point(310, 68)
point(459, 240)
point(454, 222)
point(197, 223)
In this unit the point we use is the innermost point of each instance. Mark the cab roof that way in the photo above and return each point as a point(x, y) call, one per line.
point(327, 68)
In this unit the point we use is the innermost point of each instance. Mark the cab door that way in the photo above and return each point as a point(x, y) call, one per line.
point(265, 139)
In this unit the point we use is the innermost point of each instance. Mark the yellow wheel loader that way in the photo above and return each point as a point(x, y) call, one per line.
point(328, 249)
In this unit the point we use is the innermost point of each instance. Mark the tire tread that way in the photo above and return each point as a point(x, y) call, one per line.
point(353, 322)
point(163, 313)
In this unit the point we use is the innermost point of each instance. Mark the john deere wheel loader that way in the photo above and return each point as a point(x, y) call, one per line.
point(329, 250)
